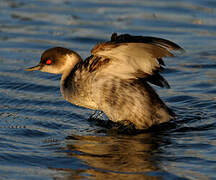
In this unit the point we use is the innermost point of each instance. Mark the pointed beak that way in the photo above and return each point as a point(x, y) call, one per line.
point(35, 68)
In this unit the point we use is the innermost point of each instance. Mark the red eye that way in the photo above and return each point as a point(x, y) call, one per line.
point(48, 62)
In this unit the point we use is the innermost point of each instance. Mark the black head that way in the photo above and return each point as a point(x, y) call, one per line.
point(56, 60)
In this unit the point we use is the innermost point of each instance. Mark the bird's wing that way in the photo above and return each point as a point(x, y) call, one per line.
point(133, 57)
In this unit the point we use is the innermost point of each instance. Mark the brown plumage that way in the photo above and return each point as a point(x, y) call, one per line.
point(115, 78)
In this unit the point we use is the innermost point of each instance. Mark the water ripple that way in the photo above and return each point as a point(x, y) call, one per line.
point(44, 137)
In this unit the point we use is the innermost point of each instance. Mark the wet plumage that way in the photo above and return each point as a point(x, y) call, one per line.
point(115, 78)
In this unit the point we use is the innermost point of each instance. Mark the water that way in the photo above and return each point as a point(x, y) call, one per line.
point(44, 137)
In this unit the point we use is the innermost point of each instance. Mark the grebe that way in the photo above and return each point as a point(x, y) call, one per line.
point(115, 78)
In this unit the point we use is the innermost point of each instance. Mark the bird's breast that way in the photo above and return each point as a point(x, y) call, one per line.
point(79, 97)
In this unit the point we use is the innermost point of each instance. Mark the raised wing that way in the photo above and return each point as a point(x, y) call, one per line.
point(135, 57)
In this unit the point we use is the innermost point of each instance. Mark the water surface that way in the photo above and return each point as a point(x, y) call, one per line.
point(44, 137)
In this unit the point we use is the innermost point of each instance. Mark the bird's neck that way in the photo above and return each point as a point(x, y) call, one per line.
point(67, 82)
point(71, 62)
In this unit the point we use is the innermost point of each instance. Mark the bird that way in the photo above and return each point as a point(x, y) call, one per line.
point(116, 78)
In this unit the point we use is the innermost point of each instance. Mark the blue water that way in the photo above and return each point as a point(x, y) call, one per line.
point(44, 137)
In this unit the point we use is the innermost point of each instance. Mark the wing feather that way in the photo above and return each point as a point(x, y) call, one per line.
point(145, 39)
point(133, 57)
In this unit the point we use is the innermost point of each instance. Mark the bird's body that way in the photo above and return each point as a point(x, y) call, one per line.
point(115, 78)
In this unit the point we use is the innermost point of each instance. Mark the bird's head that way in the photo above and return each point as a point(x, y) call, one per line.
point(56, 60)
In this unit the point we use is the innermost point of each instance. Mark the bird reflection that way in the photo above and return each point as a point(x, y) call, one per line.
point(113, 157)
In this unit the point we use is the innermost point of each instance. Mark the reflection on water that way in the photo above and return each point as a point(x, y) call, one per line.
point(124, 157)
point(44, 137)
